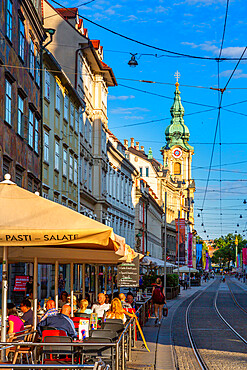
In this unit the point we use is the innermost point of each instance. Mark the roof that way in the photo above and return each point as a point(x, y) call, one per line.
point(143, 155)
point(96, 43)
point(68, 12)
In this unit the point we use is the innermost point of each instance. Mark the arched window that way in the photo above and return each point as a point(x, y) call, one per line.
point(177, 168)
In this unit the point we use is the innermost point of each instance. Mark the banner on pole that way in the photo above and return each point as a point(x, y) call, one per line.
point(244, 256)
point(198, 256)
point(190, 261)
point(181, 241)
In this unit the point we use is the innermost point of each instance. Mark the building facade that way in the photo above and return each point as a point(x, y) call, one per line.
point(90, 76)
point(21, 40)
point(62, 123)
point(121, 177)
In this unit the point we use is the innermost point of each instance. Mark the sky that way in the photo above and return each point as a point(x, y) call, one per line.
point(193, 27)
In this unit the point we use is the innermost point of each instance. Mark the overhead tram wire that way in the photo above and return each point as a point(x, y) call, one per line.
point(218, 72)
point(140, 42)
point(217, 123)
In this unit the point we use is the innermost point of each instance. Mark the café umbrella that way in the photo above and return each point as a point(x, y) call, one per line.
point(34, 229)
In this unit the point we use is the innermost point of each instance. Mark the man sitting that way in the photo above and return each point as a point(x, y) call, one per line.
point(27, 316)
point(60, 321)
point(101, 307)
point(50, 310)
point(123, 301)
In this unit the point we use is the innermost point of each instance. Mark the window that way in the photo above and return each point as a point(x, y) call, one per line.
point(72, 113)
point(81, 122)
point(140, 171)
point(31, 58)
point(8, 99)
point(20, 116)
point(85, 172)
point(18, 177)
point(75, 171)
point(56, 198)
point(65, 162)
point(36, 135)
point(30, 184)
point(57, 155)
point(89, 133)
point(6, 166)
point(66, 107)
point(45, 194)
point(46, 146)
point(177, 168)
point(58, 97)
point(47, 85)
point(76, 120)
point(70, 167)
point(90, 178)
point(103, 140)
point(9, 19)
point(147, 171)
point(86, 129)
point(21, 39)
point(37, 68)
point(30, 128)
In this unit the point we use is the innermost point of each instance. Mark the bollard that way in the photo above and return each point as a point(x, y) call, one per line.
point(123, 354)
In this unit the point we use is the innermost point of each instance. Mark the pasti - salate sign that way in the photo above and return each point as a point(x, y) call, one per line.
point(128, 274)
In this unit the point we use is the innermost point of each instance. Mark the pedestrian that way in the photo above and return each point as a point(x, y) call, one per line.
point(61, 285)
point(185, 282)
point(158, 297)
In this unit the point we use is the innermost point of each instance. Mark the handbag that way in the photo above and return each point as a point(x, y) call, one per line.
point(165, 310)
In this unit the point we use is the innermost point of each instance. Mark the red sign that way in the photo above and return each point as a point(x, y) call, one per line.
point(244, 251)
point(190, 262)
point(20, 283)
point(181, 241)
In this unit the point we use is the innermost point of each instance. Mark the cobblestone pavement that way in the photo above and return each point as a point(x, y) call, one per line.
point(217, 344)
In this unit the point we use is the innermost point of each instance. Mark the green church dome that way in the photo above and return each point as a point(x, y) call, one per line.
point(177, 133)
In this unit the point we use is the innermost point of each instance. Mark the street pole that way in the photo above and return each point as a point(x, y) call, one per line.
point(178, 247)
point(165, 242)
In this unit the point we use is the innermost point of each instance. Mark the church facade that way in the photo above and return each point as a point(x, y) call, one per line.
point(171, 179)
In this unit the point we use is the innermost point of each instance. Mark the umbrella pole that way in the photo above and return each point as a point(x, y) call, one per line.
point(96, 276)
point(83, 281)
point(112, 283)
point(4, 300)
point(35, 291)
point(72, 288)
point(56, 283)
point(106, 271)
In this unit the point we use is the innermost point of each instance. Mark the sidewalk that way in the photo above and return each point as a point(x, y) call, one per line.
point(158, 339)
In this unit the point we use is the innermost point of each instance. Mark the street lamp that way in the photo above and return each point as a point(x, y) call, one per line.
point(133, 62)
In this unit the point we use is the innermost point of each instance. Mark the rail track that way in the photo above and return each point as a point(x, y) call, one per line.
point(220, 326)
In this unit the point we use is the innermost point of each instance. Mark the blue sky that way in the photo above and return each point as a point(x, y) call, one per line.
point(191, 27)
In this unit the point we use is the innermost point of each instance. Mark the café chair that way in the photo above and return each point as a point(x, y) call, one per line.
point(52, 350)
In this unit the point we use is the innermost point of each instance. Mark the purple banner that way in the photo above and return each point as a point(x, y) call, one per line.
point(207, 262)
point(190, 262)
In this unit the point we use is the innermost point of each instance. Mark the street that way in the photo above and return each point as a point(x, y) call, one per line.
point(194, 335)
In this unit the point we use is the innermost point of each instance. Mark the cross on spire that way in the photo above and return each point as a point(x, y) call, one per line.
point(177, 75)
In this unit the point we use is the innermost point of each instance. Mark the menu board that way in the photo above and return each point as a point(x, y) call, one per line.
point(128, 274)
point(20, 283)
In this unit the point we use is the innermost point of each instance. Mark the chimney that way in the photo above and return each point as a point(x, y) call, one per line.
point(137, 145)
point(126, 144)
point(132, 142)
point(142, 148)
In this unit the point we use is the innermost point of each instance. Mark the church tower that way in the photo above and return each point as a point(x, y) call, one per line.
point(177, 154)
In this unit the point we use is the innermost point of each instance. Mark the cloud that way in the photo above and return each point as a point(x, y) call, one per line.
point(122, 97)
point(148, 10)
point(160, 9)
point(202, 2)
point(130, 18)
point(231, 51)
point(128, 111)
point(238, 73)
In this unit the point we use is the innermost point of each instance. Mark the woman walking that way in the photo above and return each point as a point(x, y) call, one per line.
point(158, 297)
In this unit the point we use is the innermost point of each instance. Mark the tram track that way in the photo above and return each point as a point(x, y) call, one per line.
point(220, 327)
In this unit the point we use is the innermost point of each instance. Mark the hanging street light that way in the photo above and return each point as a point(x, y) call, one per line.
point(133, 62)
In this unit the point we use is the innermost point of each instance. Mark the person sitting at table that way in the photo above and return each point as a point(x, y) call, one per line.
point(107, 299)
point(61, 321)
point(27, 316)
point(123, 301)
point(74, 302)
point(116, 310)
point(63, 299)
point(50, 310)
point(16, 325)
point(83, 307)
point(130, 299)
point(101, 307)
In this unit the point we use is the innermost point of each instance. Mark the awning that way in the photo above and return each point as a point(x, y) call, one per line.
point(30, 221)
point(185, 269)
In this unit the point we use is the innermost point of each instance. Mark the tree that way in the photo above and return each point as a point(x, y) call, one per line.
point(226, 249)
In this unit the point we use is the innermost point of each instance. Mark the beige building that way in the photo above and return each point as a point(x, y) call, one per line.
point(82, 61)
point(173, 177)
point(121, 178)
point(62, 108)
